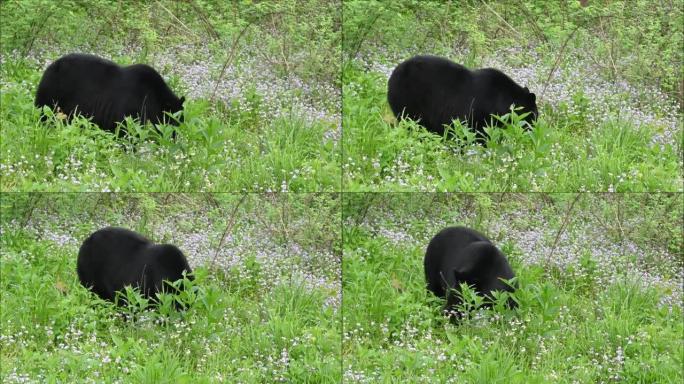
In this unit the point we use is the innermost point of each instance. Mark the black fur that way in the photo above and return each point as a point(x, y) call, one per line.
point(106, 92)
point(435, 91)
point(461, 255)
point(112, 258)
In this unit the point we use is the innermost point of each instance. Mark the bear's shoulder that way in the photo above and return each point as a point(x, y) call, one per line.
point(145, 74)
point(86, 58)
point(493, 75)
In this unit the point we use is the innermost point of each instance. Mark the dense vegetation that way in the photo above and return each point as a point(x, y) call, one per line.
point(264, 307)
point(262, 82)
point(608, 78)
point(600, 290)
point(325, 283)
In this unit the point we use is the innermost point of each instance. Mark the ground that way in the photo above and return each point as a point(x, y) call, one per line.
point(600, 290)
point(607, 80)
point(266, 305)
point(262, 83)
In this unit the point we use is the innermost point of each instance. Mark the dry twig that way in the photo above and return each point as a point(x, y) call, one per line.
point(563, 226)
point(229, 227)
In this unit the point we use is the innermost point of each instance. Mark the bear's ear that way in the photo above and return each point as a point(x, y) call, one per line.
point(526, 90)
point(533, 97)
point(182, 100)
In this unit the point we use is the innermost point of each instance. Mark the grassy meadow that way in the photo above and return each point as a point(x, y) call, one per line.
point(265, 306)
point(261, 82)
point(600, 297)
point(608, 78)
point(308, 245)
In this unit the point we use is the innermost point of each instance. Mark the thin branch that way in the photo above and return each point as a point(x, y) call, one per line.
point(530, 18)
point(558, 59)
point(562, 50)
point(502, 19)
point(210, 28)
point(179, 21)
point(284, 216)
point(363, 36)
point(34, 34)
point(562, 228)
point(229, 227)
point(366, 208)
point(228, 60)
point(34, 199)
point(619, 217)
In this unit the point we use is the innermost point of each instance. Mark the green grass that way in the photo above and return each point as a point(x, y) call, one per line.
point(256, 315)
point(290, 96)
point(247, 127)
point(210, 153)
point(616, 128)
point(599, 310)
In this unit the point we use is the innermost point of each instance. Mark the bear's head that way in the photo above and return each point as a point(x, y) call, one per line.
point(528, 101)
point(485, 271)
point(165, 264)
point(173, 105)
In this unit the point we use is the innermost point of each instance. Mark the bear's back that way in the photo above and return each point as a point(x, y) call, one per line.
point(440, 251)
point(83, 67)
point(143, 75)
point(493, 80)
point(453, 238)
point(432, 71)
point(111, 258)
point(111, 248)
point(75, 81)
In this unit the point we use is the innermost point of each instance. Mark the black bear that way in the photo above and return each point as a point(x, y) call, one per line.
point(106, 92)
point(112, 258)
point(435, 91)
point(461, 255)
